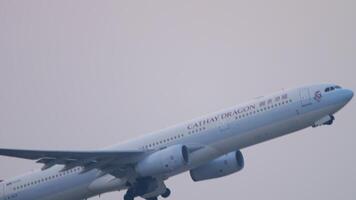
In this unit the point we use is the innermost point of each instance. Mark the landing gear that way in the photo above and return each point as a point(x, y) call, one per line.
point(166, 194)
point(147, 188)
point(129, 195)
point(330, 122)
point(327, 120)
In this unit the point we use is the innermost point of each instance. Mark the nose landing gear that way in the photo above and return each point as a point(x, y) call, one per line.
point(331, 121)
point(327, 120)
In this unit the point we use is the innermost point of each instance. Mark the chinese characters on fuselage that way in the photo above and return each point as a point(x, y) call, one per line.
point(236, 112)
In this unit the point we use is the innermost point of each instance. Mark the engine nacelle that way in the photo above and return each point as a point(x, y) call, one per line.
point(222, 166)
point(164, 161)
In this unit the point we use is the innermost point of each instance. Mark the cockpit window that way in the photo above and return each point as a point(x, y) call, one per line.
point(328, 89)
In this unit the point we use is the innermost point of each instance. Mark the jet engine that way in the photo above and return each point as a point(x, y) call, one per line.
point(164, 161)
point(222, 166)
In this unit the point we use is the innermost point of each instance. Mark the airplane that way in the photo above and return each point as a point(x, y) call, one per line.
point(208, 147)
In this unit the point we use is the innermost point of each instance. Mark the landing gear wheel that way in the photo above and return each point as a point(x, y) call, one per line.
point(129, 196)
point(166, 193)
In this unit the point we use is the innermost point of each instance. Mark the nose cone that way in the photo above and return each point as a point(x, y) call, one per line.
point(348, 94)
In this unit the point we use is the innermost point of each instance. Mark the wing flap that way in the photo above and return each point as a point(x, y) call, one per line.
point(39, 154)
point(88, 159)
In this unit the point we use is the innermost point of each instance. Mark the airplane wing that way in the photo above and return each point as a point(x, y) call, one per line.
point(102, 159)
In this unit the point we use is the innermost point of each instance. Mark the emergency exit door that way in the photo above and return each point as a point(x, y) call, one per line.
point(305, 98)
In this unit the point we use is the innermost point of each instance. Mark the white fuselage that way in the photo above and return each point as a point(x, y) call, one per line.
point(210, 136)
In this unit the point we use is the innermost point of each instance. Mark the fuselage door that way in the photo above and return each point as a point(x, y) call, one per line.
point(305, 98)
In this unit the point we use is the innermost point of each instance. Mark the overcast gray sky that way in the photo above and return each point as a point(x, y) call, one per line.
point(86, 74)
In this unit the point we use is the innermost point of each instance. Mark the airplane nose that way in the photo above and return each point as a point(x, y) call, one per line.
point(348, 94)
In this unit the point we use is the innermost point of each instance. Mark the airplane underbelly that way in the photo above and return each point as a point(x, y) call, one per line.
point(76, 193)
point(68, 187)
point(74, 188)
